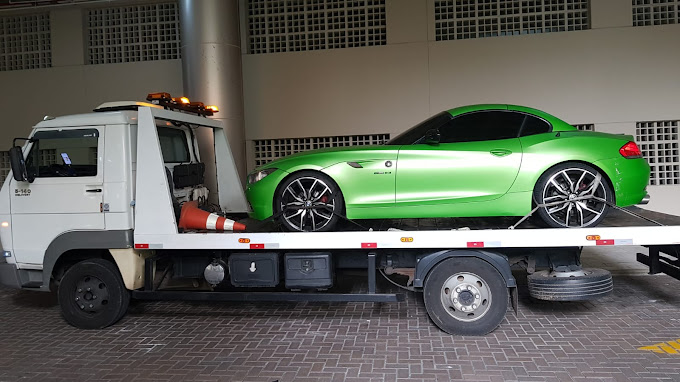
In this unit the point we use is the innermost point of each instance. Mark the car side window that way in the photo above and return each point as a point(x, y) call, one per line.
point(482, 126)
point(70, 153)
point(534, 125)
point(416, 134)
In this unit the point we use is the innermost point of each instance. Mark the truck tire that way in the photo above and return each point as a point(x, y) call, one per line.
point(92, 294)
point(465, 296)
point(586, 284)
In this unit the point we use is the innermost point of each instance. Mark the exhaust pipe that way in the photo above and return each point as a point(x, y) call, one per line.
point(645, 200)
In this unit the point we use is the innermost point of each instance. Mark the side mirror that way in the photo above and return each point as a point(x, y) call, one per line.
point(16, 160)
point(432, 137)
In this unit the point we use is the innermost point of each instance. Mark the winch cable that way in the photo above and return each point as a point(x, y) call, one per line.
point(585, 197)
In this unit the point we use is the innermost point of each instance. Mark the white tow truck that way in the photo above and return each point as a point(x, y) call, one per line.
point(92, 205)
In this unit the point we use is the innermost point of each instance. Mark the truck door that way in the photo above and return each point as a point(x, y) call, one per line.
point(66, 194)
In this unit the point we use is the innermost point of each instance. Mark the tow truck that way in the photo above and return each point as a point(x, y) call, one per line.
point(94, 204)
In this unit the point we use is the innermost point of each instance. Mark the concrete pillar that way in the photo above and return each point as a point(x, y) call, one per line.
point(211, 63)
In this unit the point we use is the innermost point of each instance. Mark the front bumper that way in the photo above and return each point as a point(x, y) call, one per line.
point(260, 195)
point(9, 275)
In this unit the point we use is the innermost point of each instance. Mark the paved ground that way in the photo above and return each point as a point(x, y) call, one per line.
point(596, 341)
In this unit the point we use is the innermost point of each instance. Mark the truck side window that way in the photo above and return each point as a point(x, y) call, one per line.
point(173, 145)
point(63, 153)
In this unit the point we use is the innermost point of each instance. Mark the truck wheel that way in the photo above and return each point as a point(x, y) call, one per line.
point(465, 296)
point(581, 285)
point(92, 294)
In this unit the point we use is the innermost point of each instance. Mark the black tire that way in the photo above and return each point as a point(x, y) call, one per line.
point(593, 284)
point(449, 316)
point(318, 197)
point(104, 304)
point(570, 185)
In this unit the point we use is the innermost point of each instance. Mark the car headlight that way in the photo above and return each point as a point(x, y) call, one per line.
point(259, 175)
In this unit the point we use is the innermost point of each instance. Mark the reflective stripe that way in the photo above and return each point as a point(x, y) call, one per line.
point(211, 221)
point(228, 225)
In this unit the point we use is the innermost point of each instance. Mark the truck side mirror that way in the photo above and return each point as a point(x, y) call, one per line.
point(432, 137)
point(16, 159)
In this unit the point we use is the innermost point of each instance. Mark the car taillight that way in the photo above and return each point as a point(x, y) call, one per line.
point(630, 151)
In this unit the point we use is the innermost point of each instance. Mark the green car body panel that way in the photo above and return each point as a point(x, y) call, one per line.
point(480, 178)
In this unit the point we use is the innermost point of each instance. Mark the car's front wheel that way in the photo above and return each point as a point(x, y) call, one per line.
point(309, 201)
point(573, 195)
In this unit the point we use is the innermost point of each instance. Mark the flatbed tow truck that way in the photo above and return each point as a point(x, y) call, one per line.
point(92, 205)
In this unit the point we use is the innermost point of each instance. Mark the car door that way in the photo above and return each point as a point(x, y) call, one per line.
point(67, 193)
point(477, 158)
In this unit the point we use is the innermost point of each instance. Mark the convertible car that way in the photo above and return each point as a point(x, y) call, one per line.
point(473, 161)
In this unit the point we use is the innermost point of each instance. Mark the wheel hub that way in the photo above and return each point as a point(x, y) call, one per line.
point(466, 296)
point(91, 294)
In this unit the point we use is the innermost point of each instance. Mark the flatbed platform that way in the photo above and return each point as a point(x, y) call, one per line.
point(618, 228)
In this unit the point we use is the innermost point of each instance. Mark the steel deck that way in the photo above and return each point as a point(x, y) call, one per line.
point(618, 228)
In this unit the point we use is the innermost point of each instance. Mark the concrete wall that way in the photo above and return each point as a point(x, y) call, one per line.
point(612, 75)
point(70, 86)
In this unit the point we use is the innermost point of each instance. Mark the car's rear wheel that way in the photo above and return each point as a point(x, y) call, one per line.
point(574, 195)
point(309, 201)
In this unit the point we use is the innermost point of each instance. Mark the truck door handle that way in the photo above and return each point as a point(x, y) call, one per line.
point(500, 152)
point(94, 190)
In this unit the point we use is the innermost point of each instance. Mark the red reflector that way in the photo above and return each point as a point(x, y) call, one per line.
point(141, 246)
point(604, 242)
point(369, 245)
point(630, 151)
point(475, 244)
point(257, 246)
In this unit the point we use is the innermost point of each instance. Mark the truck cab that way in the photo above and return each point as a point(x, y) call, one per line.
point(80, 185)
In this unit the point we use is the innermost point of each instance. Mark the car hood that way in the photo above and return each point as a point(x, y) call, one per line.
point(322, 158)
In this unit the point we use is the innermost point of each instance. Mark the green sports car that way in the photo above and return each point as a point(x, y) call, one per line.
point(472, 161)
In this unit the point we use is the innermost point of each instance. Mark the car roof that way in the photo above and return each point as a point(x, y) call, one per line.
point(558, 124)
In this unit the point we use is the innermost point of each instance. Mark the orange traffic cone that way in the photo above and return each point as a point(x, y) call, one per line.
point(193, 217)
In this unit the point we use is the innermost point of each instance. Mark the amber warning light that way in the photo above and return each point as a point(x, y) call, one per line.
point(181, 103)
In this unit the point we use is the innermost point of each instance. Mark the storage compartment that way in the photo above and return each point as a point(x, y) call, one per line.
point(189, 266)
point(309, 270)
point(254, 269)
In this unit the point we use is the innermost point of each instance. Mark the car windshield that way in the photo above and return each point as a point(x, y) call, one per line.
point(416, 133)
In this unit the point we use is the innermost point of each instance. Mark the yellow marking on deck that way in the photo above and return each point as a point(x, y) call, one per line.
point(670, 347)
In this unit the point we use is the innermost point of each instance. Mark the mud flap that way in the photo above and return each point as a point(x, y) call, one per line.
point(514, 299)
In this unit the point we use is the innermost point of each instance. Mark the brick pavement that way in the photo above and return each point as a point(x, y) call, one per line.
point(178, 341)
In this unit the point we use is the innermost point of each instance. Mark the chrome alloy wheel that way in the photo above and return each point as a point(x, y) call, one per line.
point(466, 297)
point(574, 197)
point(308, 204)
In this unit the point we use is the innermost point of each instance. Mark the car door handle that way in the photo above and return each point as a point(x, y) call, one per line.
point(94, 190)
point(500, 152)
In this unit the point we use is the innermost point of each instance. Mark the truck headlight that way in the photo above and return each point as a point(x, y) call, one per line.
point(259, 175)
